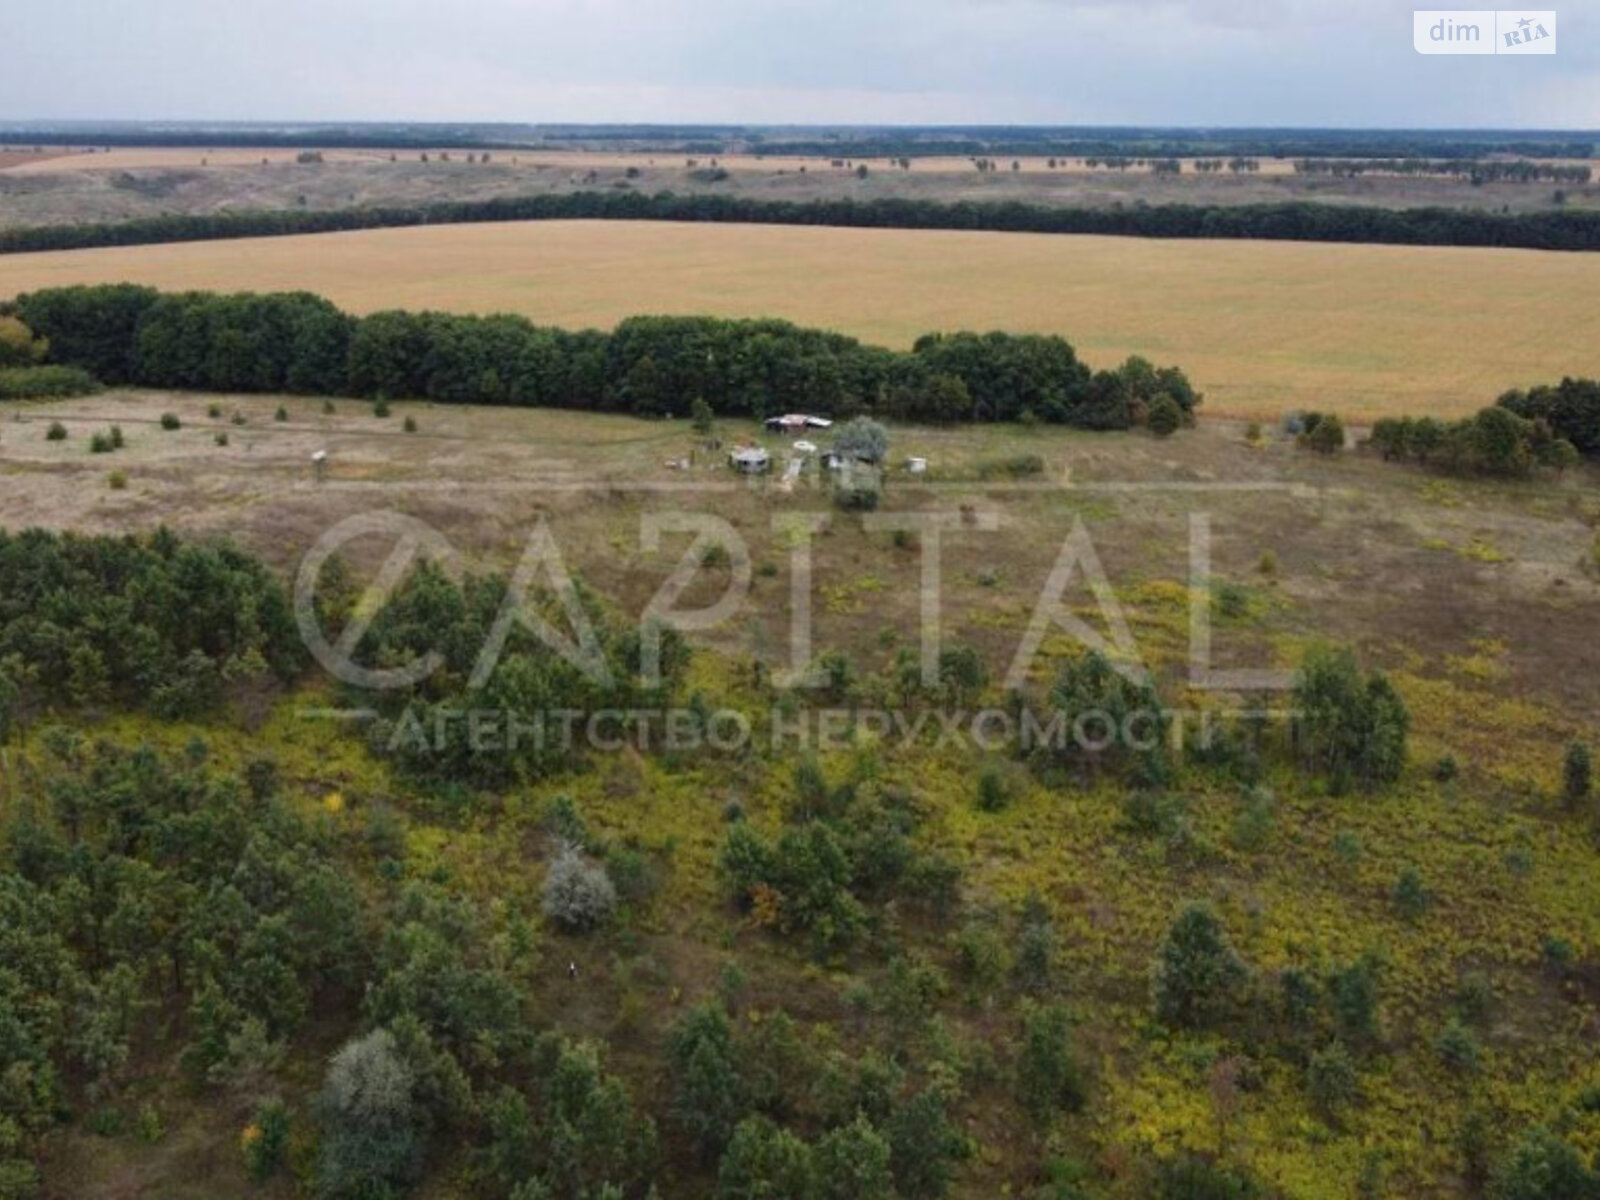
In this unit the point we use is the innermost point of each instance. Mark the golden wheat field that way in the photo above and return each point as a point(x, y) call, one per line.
point(1262, 327)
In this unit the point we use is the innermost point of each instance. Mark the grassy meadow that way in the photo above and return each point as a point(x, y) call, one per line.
point(1261, 327)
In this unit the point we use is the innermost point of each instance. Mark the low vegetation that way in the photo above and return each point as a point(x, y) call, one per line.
point(45, 383)
point(246, 946)
point(230, 884)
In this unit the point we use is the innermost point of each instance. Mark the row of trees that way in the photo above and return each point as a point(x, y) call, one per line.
point(1475, 171)
point(944, 141)
point(1029, 142)
point(1290, 221)
point(297, 342)
point(1494, 442)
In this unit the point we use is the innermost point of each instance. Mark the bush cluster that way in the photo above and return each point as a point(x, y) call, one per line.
point(1494, 442)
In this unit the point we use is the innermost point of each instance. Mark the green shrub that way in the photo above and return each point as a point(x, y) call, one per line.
point(1164, 417)
point(858, 499)
point(1018, 466)
point(1474, 996)
point(169, 421)
point(46, 383)
point(1410, 896)
point(1048, 1077)
point(1519, 860)
point(1557, 953)
point(1353, 993)
point(221, 438)
point(700, 415)
point(994, 794)
point(1458, 1048)
point(328, 408)
point(1253, 826)
point(1577, 773)
point(1350, 727)
point(862, 439)
point(1331, 1079)
point(981, 961)
point(380, 407)
point(266, 1141)
point(117, 442)
point(1543, 1167)
point(410, 425)
point(1233, 601)
point(282, 414)
point(1192, 1177)
point(763, 1159)
point(56, 433)
point(1323, 433)
point(107, 1122)
point(100, 443)
point(117, 481)
point(150, 1128)
point(214, 411)
point(1036, 947)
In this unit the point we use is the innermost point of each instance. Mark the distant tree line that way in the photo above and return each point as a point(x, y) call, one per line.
point(944, 141)
point(1033, 142)
point(300, 343)
point(1294, 221)
point(1496, 171)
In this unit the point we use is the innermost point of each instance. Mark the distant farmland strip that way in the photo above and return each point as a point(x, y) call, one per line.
point(1293, 222)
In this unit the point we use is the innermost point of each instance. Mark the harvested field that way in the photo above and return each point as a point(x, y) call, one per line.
point(1263, 327)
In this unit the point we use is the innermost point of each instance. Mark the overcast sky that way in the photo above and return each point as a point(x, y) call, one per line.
point(1183, 62)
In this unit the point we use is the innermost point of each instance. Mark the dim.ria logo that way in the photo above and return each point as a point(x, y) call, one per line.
point(1484, 31)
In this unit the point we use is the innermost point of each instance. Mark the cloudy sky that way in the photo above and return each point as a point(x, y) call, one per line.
point(1168, 62)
